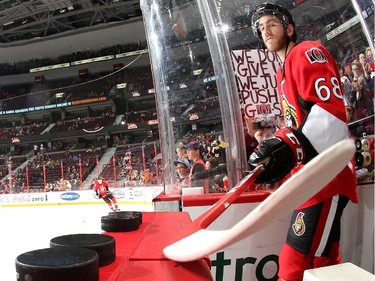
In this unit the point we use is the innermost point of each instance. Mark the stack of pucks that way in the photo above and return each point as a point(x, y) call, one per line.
point(58, 264)
point(123, 221)
point(103, 245)
point(127, 213)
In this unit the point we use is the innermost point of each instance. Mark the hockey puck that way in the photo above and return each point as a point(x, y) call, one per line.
point(121, 223)
point(58, 264)
point(103, 245)
point(366, 158)
point(365, 144)
point(127, 214)
point(358, 144)
point(358, 157)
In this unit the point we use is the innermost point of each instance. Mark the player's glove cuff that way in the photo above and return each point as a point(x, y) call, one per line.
point(302, 149)
point(289, 136)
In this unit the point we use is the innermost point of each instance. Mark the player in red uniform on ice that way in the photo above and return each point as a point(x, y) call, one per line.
point(101, 188)
point(313, 107)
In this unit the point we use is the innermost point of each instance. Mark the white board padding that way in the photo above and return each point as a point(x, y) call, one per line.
point(341, 272)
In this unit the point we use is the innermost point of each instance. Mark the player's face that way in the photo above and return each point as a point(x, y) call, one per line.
point(272, 33)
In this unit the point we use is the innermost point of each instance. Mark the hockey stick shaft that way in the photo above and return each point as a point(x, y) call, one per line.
point(296, 190)
point(219, 207)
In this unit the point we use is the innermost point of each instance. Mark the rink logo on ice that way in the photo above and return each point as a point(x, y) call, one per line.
point(69, 196)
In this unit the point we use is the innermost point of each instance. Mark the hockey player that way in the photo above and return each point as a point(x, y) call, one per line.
point(101, 188)
point(312, 102)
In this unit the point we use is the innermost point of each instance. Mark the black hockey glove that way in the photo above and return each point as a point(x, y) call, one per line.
point(280, 154)
point(276, 156)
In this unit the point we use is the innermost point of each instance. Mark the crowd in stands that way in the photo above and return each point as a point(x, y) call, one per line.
point(201, 162)
point(149, 113)
point(358, 86)
point(50, 171)
point(134, 165)
point(15, 129)
point(25, 66)
point(85, 123)
point(94, 86)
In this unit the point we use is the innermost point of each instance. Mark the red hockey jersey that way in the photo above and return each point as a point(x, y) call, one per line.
point(101, 189)
point(312, 102)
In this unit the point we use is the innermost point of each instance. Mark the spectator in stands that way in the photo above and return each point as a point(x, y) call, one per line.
point(367, 70)
point(363, 103)
point(250, 141)
point(218, 150)
point(263, 129)
point(148, 177)
point(363, 66)
point(181, 152)
point(370, 62)
point(183, 175)
point(349, 96)
point(194, 151)
point(370, 69)
point(215, 176)
point(358, 72)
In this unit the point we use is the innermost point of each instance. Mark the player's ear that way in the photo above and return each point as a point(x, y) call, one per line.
point(290, 30)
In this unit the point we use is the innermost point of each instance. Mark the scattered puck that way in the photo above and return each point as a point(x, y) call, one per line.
point(127, 214)
point(358, 144)
point(358, 159)
point(365, 144)
point(58, 264)
point(120, 223)
point(366, 158)
point(103, 245)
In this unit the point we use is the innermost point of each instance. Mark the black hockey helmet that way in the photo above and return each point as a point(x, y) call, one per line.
point(272, 9)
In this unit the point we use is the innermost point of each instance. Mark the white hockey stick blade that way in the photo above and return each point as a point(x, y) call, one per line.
point(295, 191)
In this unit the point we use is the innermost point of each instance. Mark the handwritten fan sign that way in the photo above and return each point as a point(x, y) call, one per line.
point(256, 79)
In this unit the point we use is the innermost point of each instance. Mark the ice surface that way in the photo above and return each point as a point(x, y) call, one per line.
point(26, 229)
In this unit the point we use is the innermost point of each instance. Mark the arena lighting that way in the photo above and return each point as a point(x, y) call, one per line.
point(155, 6)
point(154, 37)
point(197, 71)
point(8, 23)
point(225, 28)
point(222, 28)
point(121, 86)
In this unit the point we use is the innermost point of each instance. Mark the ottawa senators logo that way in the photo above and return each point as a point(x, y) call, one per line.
point(299, 226)
point(290, 114)
point(316, 55)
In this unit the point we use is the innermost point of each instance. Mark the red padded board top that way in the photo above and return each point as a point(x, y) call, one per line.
point(139, 253)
